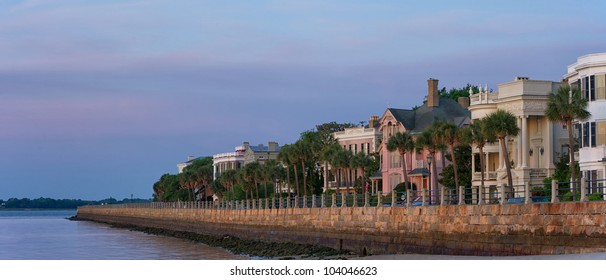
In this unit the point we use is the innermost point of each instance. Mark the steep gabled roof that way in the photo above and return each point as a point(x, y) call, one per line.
point(404, 116)
point(418, 120)
point(449, 110)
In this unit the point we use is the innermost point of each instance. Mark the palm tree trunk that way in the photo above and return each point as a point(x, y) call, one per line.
point(507, 165)
point(338, 179)
point(304, 178)
point(347, 183)
point(257, 188)
point(571, 156)
point(364, 180)
point(404, 170)
point(454, 166)
point(288, 178)
point(296, 179)
point(434, 171)
point(482, 166)
point(325, 176)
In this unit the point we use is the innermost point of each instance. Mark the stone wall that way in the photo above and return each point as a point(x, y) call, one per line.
point(517, 229)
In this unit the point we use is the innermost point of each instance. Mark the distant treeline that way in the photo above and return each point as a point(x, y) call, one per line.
point(50, 203)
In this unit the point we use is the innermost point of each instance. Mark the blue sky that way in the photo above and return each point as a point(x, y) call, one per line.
point(100, 98)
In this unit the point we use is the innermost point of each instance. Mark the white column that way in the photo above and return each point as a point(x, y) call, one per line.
point(501, 166)
point(473, 165)
point(519, 146)
point(486, 163)
point(524, 133)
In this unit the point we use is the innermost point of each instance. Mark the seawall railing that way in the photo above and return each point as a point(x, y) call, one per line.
point(557, 192)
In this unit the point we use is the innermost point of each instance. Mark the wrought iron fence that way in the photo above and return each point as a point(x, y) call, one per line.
point(556, 192)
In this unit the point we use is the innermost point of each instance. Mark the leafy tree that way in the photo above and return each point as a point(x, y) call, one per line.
point(403, 143)
point(429, 140)
point(477, 135)
point(363, 161)
point(463, 153)
point(451, 136)
point(252, 175)
point(565, 106)
point(285, 157)
point(328, 156)
point(455, 93)
point(198, 176)
point(331, 127)
point(228, 179)
point(167, 188)
point(502, 124)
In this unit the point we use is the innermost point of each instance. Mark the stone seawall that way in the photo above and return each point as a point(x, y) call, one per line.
point(498, 230)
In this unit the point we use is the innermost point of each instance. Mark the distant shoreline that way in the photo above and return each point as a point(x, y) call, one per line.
point(35, 209)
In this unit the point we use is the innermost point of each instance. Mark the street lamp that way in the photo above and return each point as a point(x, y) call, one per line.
point(429, 158)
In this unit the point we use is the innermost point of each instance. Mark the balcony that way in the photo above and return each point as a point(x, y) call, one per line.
point(488, 176)
point(482, 98)
point(591, 154)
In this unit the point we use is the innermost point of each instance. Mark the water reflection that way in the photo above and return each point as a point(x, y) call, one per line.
point(46, 237)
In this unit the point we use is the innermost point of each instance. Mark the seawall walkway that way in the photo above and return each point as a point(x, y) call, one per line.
point(486, 230)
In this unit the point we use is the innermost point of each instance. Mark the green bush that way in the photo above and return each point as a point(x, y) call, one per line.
point(401, 187)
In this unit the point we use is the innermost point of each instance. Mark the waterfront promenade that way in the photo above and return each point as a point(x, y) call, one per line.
point(368, 225)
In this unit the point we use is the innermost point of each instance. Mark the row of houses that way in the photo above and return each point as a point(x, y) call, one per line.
point(533, 153)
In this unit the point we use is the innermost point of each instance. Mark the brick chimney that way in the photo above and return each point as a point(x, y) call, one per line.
point(433, 98)
point(464, 102)
point(374, 120)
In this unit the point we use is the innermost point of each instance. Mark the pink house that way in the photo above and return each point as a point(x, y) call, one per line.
point(362, 139)
point(415, 121)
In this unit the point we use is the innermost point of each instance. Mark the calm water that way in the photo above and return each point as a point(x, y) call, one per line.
point(47, 235)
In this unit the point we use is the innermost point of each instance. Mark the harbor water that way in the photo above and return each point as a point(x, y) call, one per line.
point(48, 235)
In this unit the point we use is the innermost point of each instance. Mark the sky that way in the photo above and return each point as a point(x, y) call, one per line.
point(98, 99)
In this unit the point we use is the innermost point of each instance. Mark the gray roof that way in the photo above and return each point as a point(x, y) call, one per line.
point(417, 120)
point(419, 172)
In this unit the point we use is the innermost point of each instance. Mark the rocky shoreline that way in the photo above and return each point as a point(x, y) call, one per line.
point(238, 246)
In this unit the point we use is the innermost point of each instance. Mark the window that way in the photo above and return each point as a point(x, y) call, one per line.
point(601, 137)
point(585, 142)
point(396, 160)
point(600, 86)
point(585, 87)
point(588, 87)
point(592, 137)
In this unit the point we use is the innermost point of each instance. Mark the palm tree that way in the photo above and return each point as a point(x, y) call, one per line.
point(252, 174)
point(339, 161)
point(566, 106)
point(285, 157)
point(303, 153)
point(450, 135)
point(269, 173)
point(476, 134)
point(344, 161)
point(325, 145)
point(363, 161)
point(187, 181)
point(502, 124)
point(328, 156)
point(429, 140)
point(228, 179)
point(403, 143)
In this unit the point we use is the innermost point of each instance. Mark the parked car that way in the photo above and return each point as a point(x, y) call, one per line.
point(515, 200)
